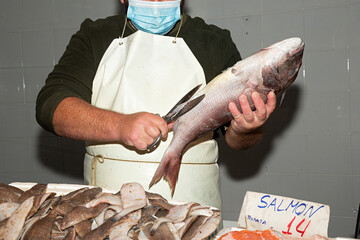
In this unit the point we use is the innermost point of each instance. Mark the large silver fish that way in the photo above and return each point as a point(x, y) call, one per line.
point(273, 68)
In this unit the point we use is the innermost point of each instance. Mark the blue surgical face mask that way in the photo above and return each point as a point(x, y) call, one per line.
point(154, 17)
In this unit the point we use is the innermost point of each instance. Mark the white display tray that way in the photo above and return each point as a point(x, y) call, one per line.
point(58, 188)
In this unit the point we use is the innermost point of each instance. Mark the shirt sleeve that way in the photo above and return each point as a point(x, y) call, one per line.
point(71, 77)
point(231, 55)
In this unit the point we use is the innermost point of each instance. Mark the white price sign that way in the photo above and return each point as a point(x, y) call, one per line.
point(289, 216)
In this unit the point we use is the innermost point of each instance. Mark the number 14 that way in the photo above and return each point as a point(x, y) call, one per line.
point(288, 232)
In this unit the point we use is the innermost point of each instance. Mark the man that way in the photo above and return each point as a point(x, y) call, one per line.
point(109, 91)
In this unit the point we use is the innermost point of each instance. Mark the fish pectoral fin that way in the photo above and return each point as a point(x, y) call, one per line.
point(282, 98)
point(236, 71)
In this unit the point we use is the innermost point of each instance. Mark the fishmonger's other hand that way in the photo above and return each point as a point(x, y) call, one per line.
point(249, 120)
point(246, 127)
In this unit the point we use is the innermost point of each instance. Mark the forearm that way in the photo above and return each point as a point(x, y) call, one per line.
point(77, 119)
point(238, 141)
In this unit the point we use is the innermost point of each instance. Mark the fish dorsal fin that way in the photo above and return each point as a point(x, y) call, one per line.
point(236, 71)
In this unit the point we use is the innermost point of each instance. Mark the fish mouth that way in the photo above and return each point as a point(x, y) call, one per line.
point(298, 50)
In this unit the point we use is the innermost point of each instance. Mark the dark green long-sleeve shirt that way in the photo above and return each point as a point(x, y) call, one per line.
point(73, 75)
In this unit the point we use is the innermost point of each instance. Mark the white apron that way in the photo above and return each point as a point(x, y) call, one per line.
point(147, 72)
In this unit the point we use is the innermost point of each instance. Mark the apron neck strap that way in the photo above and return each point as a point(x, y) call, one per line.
point(174, 41)
point(177, 34)
point(123, 31)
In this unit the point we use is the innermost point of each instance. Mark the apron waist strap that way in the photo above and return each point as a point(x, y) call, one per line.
point(101, 159)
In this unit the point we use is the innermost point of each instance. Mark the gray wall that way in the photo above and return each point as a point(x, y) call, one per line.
point(311, 147)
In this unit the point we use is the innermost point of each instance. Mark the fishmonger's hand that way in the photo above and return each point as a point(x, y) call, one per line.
point(142, 129)
point(246, 128)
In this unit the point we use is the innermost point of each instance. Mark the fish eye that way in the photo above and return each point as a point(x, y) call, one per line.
point(292, 71)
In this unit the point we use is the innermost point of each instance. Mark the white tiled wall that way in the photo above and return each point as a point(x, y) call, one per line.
point(311, 145)
point(310, 150)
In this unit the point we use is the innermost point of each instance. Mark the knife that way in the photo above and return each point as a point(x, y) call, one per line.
point(179, 109)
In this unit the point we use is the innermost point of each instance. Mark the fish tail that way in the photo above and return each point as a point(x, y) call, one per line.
point(169, 170)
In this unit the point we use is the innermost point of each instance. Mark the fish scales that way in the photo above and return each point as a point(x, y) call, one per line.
point(273, 68)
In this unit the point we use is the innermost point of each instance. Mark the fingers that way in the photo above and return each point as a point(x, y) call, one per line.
point(239, 124)
point(248, 120)
point(235, 111)
point(142, 129)
point(155, 128)
point(170, 125)
point(261, 110)
point(271, 104)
